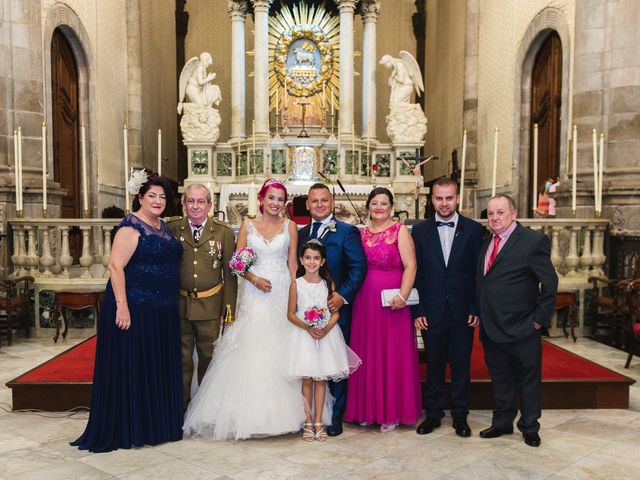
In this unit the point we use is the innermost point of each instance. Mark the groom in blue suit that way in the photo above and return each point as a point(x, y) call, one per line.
point(348, 266)
point(447, 249)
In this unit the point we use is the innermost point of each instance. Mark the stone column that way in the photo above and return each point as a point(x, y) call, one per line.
point(370, 13)
point(237, 10)
point(261, 66)
point(346, 66)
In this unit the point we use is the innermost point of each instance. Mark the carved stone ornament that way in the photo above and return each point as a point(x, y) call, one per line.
point(347, 4)
point(200, 124)
point(237, 7)
point(406, 123)
point(370, 11)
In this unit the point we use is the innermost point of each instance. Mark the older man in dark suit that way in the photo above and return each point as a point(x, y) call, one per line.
point(517, 286)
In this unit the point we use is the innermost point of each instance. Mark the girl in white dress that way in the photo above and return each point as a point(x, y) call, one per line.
point(247, 391)
point(318, 351)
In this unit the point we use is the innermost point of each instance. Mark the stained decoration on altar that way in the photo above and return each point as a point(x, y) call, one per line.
point(197, 95)
point(303, 80)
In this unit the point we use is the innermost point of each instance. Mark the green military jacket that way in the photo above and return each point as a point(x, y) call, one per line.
point(205, 264)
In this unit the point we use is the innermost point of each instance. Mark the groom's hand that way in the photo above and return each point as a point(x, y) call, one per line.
point(421, 322)
point(335, 302)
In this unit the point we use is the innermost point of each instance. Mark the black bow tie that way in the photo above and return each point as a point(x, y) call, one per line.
point(445, 224)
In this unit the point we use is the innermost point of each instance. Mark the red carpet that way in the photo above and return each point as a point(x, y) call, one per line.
point(76, 365)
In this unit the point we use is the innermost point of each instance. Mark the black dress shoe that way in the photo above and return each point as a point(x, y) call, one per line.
point(532, 439)
point(462, 428)
point(334, 429)
point(494, 432)
point(428, 425)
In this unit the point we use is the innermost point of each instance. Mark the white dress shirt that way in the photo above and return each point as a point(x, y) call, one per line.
point(446, 235)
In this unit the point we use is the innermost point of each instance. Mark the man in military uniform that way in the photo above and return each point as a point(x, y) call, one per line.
point(207, 288)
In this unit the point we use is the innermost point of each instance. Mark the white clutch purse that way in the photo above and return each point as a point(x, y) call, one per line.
point(388, 294)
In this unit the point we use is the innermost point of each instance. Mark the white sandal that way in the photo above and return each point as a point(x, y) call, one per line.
point(321, 435)
point(307, 433)
point(388, 427)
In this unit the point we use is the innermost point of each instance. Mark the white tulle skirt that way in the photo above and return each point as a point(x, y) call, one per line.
point(246, 391)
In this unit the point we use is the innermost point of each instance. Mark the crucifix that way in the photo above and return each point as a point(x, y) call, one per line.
point(303, 103)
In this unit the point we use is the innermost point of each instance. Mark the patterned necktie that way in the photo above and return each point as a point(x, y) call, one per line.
point(445, 224)
point(314, 230)
point(494, 252)
point(197, 231)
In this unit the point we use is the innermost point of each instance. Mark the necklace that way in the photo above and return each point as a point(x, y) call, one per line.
point(146, 220)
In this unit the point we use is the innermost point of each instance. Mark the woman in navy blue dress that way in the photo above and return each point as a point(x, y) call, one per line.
point(137, 380)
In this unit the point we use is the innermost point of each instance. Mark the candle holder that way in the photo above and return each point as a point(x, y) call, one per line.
point(598, 214)
point(85, 213)
point(573, 212)
point(277, 134)
point(332, 136)
point(324, 121)
point(285, 122)
point(19, 214)
point(44, 213)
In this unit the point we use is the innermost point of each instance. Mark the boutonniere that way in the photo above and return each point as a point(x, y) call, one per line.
point(332, 226)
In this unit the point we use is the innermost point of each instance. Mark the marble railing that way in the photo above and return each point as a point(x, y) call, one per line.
point(41, 248)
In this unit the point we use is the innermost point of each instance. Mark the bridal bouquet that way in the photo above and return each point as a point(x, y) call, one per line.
point(316, 317)
point(241, 260)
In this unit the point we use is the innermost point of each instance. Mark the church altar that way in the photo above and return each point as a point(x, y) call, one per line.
point(303, 111)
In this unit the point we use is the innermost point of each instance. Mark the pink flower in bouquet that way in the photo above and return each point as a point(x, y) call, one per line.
point(241, 260)
point(316, 317)
point(240, 265)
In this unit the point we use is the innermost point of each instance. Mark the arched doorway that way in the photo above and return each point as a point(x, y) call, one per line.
point(546, 104)
point(65, 116)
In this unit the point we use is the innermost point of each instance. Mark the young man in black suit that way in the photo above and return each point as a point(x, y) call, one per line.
point(517, 286)
point(447, 249)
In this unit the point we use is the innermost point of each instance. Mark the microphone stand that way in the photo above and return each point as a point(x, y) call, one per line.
point(348, 198)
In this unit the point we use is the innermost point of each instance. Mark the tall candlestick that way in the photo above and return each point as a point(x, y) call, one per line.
point(159, 152)
point(338, 152)
point(253, 138)
point(333, 107)
point(495, 162)
point(595, 169)
point(277, 99)
point(368, 136)
point(574, 184)
point(252, 205)
point(127, 201)
point(85, 193)
point(600, 172)
point(535, 167)
point(462, 167)
point(286, 94)
point(16, 167)
point(44, 169)
point(353, 147)
point(20, 165)
point(324, 98)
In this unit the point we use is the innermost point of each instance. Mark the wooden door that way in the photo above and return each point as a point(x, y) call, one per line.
point(546, 101)
point(65, 114)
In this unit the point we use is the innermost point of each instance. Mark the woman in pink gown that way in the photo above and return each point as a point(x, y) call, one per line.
point(386, 388)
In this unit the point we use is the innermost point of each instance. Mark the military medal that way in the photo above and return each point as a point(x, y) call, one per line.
point(211, 249)
point(181, 238)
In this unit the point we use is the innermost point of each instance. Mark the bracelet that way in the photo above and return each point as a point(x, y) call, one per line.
point(403, 299)
point(121, 301)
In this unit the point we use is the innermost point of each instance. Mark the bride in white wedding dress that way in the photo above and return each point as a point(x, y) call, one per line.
point(246, 391)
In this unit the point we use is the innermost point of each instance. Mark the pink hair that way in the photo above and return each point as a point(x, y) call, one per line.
point(271, 183)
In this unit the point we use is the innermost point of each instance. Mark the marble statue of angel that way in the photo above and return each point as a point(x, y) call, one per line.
point(405, 78)
point(195, 83)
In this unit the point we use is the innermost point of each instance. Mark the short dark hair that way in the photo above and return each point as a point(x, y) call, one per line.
point(153, 180)
point(510, 201)
point(444, 182)
point(319, 186)
point(379, 191)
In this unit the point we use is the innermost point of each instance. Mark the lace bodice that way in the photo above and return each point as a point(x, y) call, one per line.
point(381, 249)
point(273, 254)
point(152, 275)
point(310, 294)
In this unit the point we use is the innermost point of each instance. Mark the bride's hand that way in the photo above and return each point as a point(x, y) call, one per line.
point(263, 284)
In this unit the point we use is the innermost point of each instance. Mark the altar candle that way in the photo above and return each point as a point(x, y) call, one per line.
point(600, 172)
point(333, 107)
point(20, 166)
point(338, 152)
point(324, 98)
point(44, 167)
point(253, 137)
point(535, 166)
point(16, 166)
point(464, 158)
point(127, 201)
point(353, 147)
point(495, 162)
point(574, 184)
point(252, 205)
point(595, 168)
point(159, 152)
point(368, 136)
point(85, 194)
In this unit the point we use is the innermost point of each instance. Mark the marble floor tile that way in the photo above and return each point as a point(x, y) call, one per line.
point(490, 469)
point(64, 471)
point(123, 461)
point(174, 469)
point(23, 460)
point(600, 467)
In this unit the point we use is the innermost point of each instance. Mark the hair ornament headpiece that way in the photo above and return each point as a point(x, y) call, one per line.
point(314, 241)
point(273, 181)
point(136, 180)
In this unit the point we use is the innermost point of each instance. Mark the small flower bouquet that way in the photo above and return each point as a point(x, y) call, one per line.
point(316, 317)
point(241, 260)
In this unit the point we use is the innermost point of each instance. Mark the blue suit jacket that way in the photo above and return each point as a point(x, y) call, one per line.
point(453, 284)
point(345, 258)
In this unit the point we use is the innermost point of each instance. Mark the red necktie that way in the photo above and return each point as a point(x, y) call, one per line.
point(494, 252)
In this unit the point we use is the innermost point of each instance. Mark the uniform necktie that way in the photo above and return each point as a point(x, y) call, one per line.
point(445, 224)
point(494, 252)
point(197, 231)
point(314, 230)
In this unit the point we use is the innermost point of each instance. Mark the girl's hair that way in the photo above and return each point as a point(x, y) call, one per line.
point(379, 191)
point(316, 246)
point(157, 181)
point(271, 183)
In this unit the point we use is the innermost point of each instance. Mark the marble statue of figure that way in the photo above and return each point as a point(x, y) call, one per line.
point(304, 164)
point(197, 97)
point(406, 121)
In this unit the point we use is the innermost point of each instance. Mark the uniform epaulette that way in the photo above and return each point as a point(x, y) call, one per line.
point(221, 223)
point(169, 220)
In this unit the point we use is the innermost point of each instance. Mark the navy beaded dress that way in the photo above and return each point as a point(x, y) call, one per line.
point(137, 379)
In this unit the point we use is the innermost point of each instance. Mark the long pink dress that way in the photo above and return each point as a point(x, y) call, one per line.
point(386, 387)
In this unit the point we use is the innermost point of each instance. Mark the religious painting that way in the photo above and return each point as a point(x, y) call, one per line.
point(304, 48)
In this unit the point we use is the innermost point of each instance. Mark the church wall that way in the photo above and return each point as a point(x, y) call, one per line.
point(159, 84)
point(445, 48)
point(502, 32)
